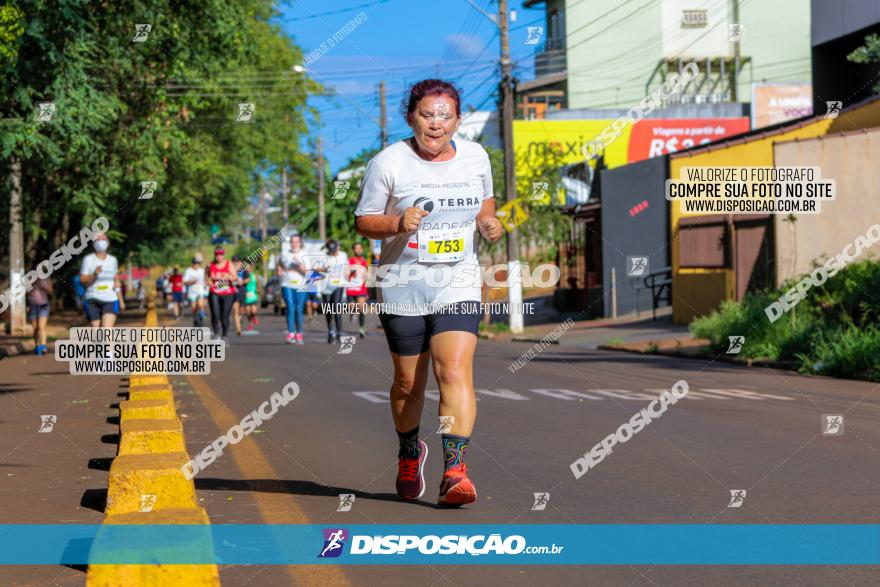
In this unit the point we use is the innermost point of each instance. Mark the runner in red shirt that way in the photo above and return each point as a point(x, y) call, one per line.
point(221, 279)
point(357, 279)
point(176, 291)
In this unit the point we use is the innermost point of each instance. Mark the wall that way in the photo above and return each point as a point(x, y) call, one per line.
point(633, 232)
point(699, 291)
point(813, 238)
point(614, 45)
point(837, 18)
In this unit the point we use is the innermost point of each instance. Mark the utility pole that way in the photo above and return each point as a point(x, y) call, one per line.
point(383, 117)
point(736, 47)
point(285, 210)
point(514, 270)
point(264, 194)
point(322, 215)
point(16, 254)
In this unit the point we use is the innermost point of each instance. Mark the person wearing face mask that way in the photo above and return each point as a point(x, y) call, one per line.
point(427, 197)
point(103, 298)
point(194, 280)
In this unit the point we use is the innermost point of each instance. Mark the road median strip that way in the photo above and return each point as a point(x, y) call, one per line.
point(147, 485)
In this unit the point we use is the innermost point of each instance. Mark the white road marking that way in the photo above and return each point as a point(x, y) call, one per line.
point(374, 397)
point(691, 394)
point(623, 394)
point(383, 397)
point(565, 394)
point(745, 394)
point(503, 393)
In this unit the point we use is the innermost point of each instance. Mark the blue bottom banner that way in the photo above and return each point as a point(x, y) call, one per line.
point(481, 544)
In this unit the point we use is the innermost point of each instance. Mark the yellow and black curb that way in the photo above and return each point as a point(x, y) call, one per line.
point(147, 485)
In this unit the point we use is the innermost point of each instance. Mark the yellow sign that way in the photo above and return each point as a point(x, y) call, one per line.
point(512, 214)
point(446, 246)
point(563, 141)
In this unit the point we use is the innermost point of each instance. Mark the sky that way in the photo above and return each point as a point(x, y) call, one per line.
point(400, 41)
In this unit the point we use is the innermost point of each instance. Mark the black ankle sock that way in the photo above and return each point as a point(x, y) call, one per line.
point(454, 449)
point(409, 444)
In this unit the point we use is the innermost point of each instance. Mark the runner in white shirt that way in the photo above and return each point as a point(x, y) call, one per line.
point(194, 280)
point(103, 298)
point(335, 269)
point(426, 197)
point(292, 270)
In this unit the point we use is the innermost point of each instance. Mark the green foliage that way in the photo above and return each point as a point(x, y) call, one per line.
point(339, 212)
point(831, 331)
point(547, 227)
point(11, 28)
point(162, 110)
point(867, 53)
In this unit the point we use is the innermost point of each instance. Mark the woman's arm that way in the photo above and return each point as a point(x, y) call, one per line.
point(117, 285)
point(490, 227)
point(379, 226)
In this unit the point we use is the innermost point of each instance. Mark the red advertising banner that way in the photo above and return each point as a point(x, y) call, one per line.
point(653, 137)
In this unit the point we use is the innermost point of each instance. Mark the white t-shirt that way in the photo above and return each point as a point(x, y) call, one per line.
point(292, 277)
point(336, 275)
point(197, 274)
point(452, 192)
point(102, 289)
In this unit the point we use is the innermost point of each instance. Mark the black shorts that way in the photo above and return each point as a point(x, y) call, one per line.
point(96, 308)
point(411, 335)
point(240, 294)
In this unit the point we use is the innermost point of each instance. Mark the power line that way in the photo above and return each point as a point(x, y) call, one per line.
point(332, 12)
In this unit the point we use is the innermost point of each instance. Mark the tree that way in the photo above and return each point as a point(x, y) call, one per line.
point(161, 110)
point(868, 53)
point(339, 210)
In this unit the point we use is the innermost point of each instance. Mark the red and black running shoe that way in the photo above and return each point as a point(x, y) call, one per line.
point(456, 489)
point(410, 480)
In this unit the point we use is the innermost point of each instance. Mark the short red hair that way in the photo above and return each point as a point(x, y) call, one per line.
point(429, 87)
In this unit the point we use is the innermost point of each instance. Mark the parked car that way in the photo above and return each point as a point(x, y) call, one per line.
point(272, 295)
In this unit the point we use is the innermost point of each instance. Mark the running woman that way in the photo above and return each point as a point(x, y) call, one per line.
point(357, 290)
point(242, 278)
point(220, 278)
point(333, 265)
point(194, 279)
point(425, 197)
point(169, 298)
point(251, 297)
point(38, 312)
point(176, 280)
point(103, 299)
point(291, 270)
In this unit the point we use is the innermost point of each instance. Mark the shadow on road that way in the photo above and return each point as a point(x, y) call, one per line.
point(13, 388)
point(100, 464)
point(110, 439)
point(94, 499)
point(295, 488)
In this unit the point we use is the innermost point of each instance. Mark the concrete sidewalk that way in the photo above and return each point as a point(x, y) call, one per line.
point(592, 334)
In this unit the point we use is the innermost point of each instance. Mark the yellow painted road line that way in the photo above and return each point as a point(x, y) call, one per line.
point(276, 504)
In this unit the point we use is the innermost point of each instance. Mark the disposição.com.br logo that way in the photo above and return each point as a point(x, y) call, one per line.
point(453, 544)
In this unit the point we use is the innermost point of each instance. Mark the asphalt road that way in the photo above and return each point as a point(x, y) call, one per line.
point(757, 430)
point(739, 428)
